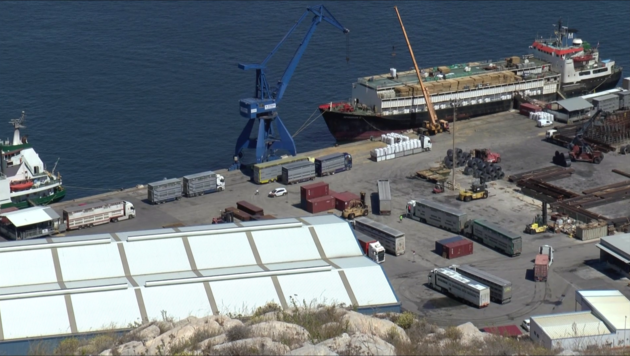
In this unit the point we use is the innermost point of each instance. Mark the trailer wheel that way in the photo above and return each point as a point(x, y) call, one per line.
point(351, 216)
point(597, 160)
point(467, 198)
point(485, 195)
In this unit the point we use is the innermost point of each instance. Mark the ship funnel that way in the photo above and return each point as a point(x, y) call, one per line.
point(392, 72)
point(577, 42)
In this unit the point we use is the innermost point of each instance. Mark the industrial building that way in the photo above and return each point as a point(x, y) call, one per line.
point(600, 319)
point(30, 223)
point(569, 110)
point(615, 252)
point(81, 284)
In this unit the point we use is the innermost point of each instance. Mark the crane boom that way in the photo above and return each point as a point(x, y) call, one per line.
point(425, 92)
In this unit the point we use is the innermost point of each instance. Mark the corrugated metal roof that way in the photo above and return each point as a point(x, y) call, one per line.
point(384, 191)
point(620, 242)
point(497, 228)
point(29, 216)
point(566, 325)
point(612, 308)
point(440, 206)
point(575, 104)
point(114, 278)
point(197, 175)
point(606, 97)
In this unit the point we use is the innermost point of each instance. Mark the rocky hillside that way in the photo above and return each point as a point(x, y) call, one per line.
point(300, 331)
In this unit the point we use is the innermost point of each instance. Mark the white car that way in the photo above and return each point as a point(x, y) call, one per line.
point(278, 192)
point(544, 122)
point(525, 324)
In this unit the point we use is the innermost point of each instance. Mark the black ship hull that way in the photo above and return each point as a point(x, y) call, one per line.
point(588, 86)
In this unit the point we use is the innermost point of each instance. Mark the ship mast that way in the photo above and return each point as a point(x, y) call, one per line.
point(17, 125)
point(427, 96)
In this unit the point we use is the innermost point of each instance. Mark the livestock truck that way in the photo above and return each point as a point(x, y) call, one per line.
point(370, 247)
point(384, 197)
point(500, 289)
point(437, 214)
point(202, 183)
point(272, 171)
point(297, 172)
point(447, 281)
point(88, 215)
point(333, 163)
point(495, 237)
point(164, 191)
point(392, 239)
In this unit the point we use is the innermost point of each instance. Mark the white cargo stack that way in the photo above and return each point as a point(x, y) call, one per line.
point(399, 146)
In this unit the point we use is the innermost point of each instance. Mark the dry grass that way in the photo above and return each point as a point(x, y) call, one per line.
point(181, 347)
point(321, 323)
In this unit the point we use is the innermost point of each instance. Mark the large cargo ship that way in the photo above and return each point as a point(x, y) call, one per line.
point(24, 181)
point(561, 66)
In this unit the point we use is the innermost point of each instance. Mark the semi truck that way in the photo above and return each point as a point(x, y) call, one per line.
point(500, 289)
point(272, 171)
point(392, 239)
point(541, 268)
point(546, 250)
point(203, 183)
point(370, 247)
point(450, 282)
point(165, 190)
point(494, 236)
point(88, 215)
point(384, 197)
point(297, 172)
point(437, 214)
point(333, 163)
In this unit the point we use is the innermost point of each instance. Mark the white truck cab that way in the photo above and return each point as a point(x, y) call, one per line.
point(220, 182)
point(550, 133)
point(130, 210)
point(376, 252)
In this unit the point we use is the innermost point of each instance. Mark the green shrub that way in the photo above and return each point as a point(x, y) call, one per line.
point(406, 320)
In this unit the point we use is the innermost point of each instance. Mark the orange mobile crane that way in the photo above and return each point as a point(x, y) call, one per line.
point(434, 126)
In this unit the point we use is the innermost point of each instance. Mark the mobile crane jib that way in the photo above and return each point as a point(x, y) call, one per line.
point(262, 108)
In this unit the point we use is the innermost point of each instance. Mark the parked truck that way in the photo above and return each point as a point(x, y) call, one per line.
point(333, 163)
point(547, 250)
point(297, 172)
point(541, 268)
point(165, 190)
point(384, 197)
point(437, 214)
point(500, 289)
point(494, 236)
point(203, 183)
point(392, 239)
point(88, 215)
point(450, 282)
point(272, 171)
point(370, 247)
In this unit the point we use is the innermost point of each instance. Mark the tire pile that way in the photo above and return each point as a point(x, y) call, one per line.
point(458, 159)
point(474, 166)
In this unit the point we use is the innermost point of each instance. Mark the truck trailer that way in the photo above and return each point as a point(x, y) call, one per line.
point(333, 163)
point(447, 281)
point(297, 172)
point(438, 215)
point(500, 289)
point(541, 268)
point(384, 197)
point(203, 183)
point(495, 237)
point(272, 171)
point(370, 247)
point(165, 190)
point(88, 215)
point(392, 239)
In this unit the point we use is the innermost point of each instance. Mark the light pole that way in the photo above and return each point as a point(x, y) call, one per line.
point(624, 333)
point(454, 103)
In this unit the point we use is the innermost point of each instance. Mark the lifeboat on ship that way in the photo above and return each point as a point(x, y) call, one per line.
point(585, 58)
point(21, 185)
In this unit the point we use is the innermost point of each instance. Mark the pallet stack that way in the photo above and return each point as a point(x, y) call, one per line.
point(316, 198)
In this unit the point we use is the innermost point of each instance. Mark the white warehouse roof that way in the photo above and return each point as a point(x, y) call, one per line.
point(77, 284)
point(29, 216)
point(610, 305)
point(566, 325)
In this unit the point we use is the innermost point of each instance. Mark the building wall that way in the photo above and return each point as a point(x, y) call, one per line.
point(614, 263)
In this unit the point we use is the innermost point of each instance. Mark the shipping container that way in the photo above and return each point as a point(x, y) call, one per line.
point(440, 244)
point(495, 237)
point(239, 214)
point(333, 163)
point(392, 239)
point(607, 103)
point(526, 108)
point(584, 232)
point(624, 99)
point(314, 190)
point(438, 215)
point(317, 205)
point(343, 199)
point(500, 289)
point(297, 172)
point(165, 190)
point(457, 249)
point(249, 208)
point(626, 83)
point(272, 171)
point(384, 197)
point(203, 183)
point(88, 215)
point(447, 281)
point(541, 267)
point(263, 217)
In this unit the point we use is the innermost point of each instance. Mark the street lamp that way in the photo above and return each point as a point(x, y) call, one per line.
point(454, 104)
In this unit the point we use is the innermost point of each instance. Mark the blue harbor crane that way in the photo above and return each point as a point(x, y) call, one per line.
point(262, 109)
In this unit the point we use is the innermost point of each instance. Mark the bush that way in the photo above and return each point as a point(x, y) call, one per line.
point(67, 347)
point(267, 308)
point(453, 333)
point(405, 320)
point(238, 332)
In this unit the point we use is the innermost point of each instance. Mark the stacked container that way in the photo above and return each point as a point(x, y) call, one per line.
point(454, 247)
point(316, 197)
point(317, 205)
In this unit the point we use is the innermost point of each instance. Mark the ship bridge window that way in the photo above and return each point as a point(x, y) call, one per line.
point(601, 70)
point(588, 72)
point(36, 168)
